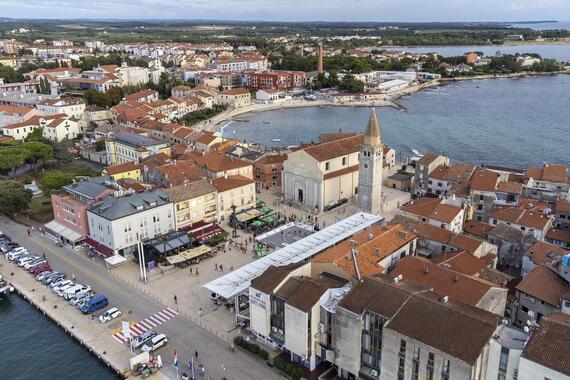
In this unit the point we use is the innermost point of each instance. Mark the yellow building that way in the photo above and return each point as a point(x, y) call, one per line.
point(193, 202)
point(123, 171)
point(238, 191)
point(131, 147)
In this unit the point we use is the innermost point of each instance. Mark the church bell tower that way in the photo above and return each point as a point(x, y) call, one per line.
point(370, 170)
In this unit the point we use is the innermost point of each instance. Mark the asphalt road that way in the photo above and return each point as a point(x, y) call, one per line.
point(184, 336)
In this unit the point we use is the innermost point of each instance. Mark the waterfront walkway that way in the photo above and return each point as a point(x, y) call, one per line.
point(184, 335)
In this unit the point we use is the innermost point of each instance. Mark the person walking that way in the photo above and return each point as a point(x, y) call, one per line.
point(196, 354)
point(29, 232)
point(175, 300)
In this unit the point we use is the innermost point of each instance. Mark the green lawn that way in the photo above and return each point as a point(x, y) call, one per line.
point(77, 169)
point(40, 209)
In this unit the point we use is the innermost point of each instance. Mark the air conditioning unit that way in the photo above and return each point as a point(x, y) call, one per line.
point(374, 373)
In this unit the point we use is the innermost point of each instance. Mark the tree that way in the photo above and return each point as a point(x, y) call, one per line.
point(37, 152)
point(13, 197)
point(37, 135)
point(100, 146)
point(351, 84)
point(61, 150)
point(55, 181)
point(12, 157)
point(10, 75)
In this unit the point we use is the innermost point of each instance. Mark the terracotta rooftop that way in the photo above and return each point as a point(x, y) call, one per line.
point(373, 245)
point(236, 91)
point(432, 208)
point(542, 252)
point(453, 173)
point(443, 281)
point(544, 284)
point(272, 277)
point(271, 159)
point(219, 162)
point(558, 235)
point(548, 344)
point(520, 216)
point(190, 190)
point(464, 262)
point(478, 229)
point(562, 206)
point(206, 138)
point(336, 148)
point(510, 187)
point(304, 292)
point(557, 173)
point(484, 180)
point(428, 158)
point(224, 184)
point(121, 168)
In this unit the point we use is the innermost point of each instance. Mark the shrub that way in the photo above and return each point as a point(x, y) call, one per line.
point(251, 347)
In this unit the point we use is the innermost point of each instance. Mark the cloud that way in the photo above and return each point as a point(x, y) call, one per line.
point(292, 10)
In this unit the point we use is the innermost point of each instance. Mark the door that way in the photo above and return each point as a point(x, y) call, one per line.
point(300, 195)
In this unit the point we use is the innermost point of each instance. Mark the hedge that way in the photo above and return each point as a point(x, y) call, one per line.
point(216, 239)
point(251, 347)
point(287, 368)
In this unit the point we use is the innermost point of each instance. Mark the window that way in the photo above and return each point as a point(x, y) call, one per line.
point(402, 360)
point(503, 363)
point(416, 363)
point(445, 369)
point(494, 222)
point(327, 165)
point(343, 161)
point(429, 367)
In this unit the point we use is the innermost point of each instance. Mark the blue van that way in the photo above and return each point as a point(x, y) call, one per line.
point(96, 303)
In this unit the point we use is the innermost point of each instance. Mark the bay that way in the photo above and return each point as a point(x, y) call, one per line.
point(33, 347)
point(508, 122)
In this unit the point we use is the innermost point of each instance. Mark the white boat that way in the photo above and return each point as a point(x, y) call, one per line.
point(417, 153)
point(5, 287)
point(276, 140)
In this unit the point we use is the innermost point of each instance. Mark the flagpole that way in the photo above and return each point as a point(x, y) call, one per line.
point(193, 373)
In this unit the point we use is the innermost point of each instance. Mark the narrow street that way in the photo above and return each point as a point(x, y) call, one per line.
point(184, 336)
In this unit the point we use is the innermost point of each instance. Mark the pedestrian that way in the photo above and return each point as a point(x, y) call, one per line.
point(216, 266)
point(196, 354)
point(44, 255)
point(29, 232)
point(231, 269)
point(197, 272)
point(73, 277)
point(175, 300)
point(221, 268)
point(190, 270)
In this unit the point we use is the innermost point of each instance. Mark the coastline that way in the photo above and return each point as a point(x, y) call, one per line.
point(218, 122)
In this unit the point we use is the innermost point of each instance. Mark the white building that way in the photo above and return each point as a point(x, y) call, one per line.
point(72, 107)
point(123, 220)
point(133, 75)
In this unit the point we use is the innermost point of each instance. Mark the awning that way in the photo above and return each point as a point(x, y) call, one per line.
point(105, 251)
point(248, 215)
point(56, 228)
point(115, 260)
point(189, 254)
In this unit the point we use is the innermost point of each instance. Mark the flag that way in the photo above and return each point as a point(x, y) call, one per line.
point(175, 364)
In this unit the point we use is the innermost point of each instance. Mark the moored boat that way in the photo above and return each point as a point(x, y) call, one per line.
point(5, 287)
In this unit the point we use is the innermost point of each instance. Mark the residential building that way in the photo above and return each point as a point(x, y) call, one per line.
point(559, 237)
point(234, 98)
point(205, 142)
point(267, 94)
point(541, 253)
point(72, 107)
point(268, 170)
point(218, 165)
point(505, 350)
point(126, 146)
point(450, 180)
point(482, 192)
point(562, 215)
point(16, 114)
point(194, 202)
point(125, 170)
point(234, 194)
point(541, 292)
point(546, 355)
point(144, 96)
point(70, 225)
point(527, 220)
point(434, 211)
point(182, 92)
point(58, 127)
point(547, 182)
point(132, 75)
point(119, 222)
point(511, 243)
point(424, 166)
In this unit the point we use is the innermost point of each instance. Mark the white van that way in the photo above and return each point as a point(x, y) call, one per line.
point(71, 292)
point(155, 343)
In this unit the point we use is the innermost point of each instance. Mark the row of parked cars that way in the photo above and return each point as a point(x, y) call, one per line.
point(81, 296)
point(78, 295)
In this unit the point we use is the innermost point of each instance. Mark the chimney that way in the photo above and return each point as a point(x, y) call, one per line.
point(377, 251)
point(426, 269)
point(370, 236)
point(444, 299)
point(456, 278)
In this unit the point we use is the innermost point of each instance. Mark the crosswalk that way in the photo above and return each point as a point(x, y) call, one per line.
point(148, 324)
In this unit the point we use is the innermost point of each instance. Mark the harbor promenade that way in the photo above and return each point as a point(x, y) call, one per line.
point(184, 335)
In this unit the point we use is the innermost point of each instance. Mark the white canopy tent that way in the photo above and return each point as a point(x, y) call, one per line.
point(113, 261)
point(233, 283)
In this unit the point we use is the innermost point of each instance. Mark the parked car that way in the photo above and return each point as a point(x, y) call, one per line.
point(45, 267)
point(82, 302)
point(71, 292)
point(7, 248)
point(95, 303)
point(155, 343)
point(34, 262)
point(24, 260)
point(18, 255)
point(142, 339)
point(61, 289)
point(53, 277)
point(41, 276)
point(15, 250)
point(58, 284)
point(109, 315)
point(79, 296)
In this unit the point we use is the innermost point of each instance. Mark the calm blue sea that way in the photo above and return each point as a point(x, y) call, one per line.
point(510, 122)
point(34, 348)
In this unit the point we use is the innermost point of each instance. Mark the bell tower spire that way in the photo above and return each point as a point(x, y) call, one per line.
point(370, 168)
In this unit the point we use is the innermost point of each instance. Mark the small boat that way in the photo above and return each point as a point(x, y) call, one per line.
point(5, 287)
point(234, 131)
point(266, 122)
point(276, 140)
point(417, 153)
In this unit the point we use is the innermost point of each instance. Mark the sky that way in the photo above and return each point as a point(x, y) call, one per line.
point(293, 10)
